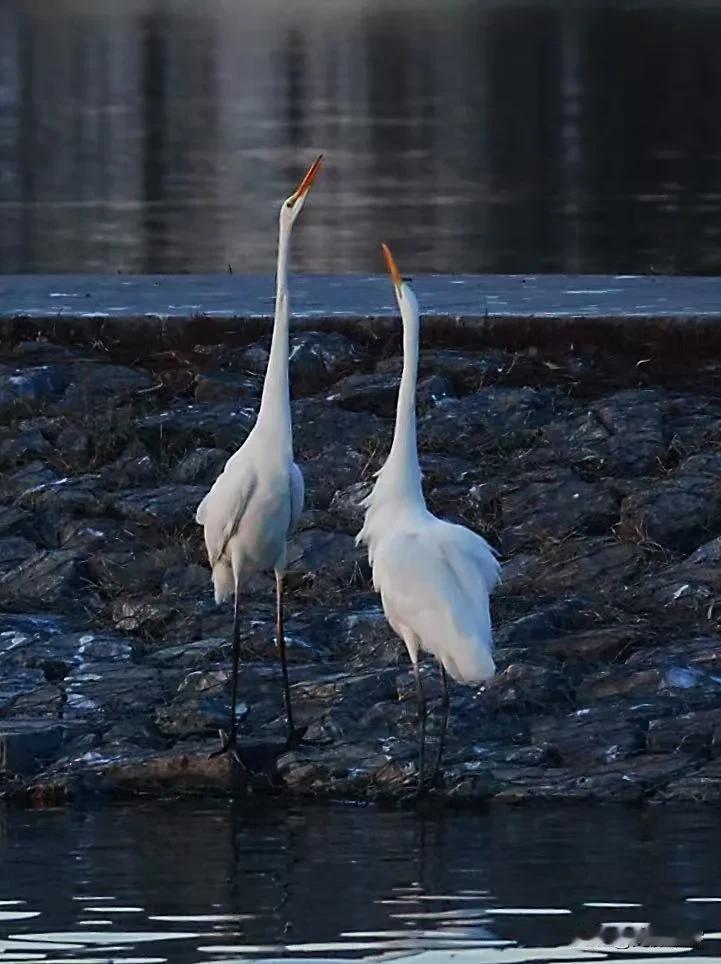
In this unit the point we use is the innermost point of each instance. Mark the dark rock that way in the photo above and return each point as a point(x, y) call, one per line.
point(13, 551)
point(524, 688)
point(317, 359)
point(26, 746)
point(701, 785)
point(97, 383)
point(552, 505)
point(25, 387)
point(73, 443)
point(334, 469)
point(134, 467)
point(221, 425)
point(198, 655)
point(140, 615)
point(23, 447)
point(15, 521)
point(170, 506)
point(376, 393)
point(696, 733)
point(332, 559)
point(25, 480)
point(117, 693)
point(433, 390)
point(47, 578)
point(80, 494)
point(133, 570)
point(15, 683)
point(316, 425)
point(622, 434)
point(597, 734)
point(223, 386)
point(549, 621)
point(678, 513)
point(594, 564)
point(200, 466)
point(346, 503)
point(597, 645)
point(491, 419)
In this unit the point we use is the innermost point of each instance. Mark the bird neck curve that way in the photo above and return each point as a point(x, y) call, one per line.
point(274, 413)
point(401, 473)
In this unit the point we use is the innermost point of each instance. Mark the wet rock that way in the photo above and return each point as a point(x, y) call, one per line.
point(202, 465)
point(551, 505)
point(114, 692)
point(16, 522)
point(25, 387)
point(13, 551)
point(628, 681)
point(25, 480)
point(317, 359)
point(46, 579)
point(15, 683)
point(24, 447)
point(697, 734)
point(524, 688)
point(225, 386)
point(596, 734)
point(81, 494)
point(347, 768)
point(44, 701)
point(198, 655)
point(220, 425)
point(170, 506)
point(88, 536)
point(27, 746)
point(140, 615)
point(700, 785)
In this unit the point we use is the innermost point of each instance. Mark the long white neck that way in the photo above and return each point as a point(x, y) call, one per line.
point(401, 475)
point(274, 412)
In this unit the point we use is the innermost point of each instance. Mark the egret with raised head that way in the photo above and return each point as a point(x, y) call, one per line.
point(434, 577)
point(255, 502)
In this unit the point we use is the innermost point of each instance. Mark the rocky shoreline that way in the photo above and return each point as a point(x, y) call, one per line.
point(593, 469)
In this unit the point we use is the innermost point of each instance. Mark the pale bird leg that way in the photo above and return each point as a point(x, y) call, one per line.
point(445, 703)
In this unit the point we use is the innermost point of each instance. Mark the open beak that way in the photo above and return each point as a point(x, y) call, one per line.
point(305, 184)
point(392, 266)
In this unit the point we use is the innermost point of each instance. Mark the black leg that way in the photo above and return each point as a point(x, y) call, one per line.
point(230, 742)
point(421, 728)
point(280, 636)
point(445, 703)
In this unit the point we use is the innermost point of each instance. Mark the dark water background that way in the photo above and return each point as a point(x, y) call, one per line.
point(346, 881)
point(477, 135)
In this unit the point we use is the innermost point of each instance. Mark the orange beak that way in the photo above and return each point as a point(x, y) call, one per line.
point(308, 179)
point(392, 266)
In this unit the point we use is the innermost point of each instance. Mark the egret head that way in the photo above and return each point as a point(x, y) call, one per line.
point(404, 293)
point(292, 206)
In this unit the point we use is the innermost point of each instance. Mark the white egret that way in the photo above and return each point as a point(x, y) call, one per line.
point(256, 500)
point(434, 577)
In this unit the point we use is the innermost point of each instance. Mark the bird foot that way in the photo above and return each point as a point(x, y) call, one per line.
point(228, 744)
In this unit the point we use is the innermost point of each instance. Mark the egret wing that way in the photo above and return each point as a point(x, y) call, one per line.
point(223, 507)
point(297, 495)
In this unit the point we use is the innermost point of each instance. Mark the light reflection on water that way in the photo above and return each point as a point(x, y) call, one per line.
point(187, 882)
point(477, 135)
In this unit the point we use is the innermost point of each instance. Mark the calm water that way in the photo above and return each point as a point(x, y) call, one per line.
point(160, 135)
point(205, 883)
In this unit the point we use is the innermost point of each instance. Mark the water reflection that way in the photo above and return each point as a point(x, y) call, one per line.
point(191, 881)
point(478, 135)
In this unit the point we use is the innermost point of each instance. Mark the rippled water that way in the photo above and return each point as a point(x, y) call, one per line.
point(478, 135)
point(217, 882)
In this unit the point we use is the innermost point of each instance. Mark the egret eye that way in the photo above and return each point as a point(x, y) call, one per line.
point(289, 204)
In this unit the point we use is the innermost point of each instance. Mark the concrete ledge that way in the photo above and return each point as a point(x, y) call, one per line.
point(171, 311)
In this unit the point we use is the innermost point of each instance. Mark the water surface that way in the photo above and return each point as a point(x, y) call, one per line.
point(477, 135)
point(198, 882)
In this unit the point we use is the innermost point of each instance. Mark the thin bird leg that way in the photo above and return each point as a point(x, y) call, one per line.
point(280, 636)
point(230, 742)
point(445, 703)
point(421, 727)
